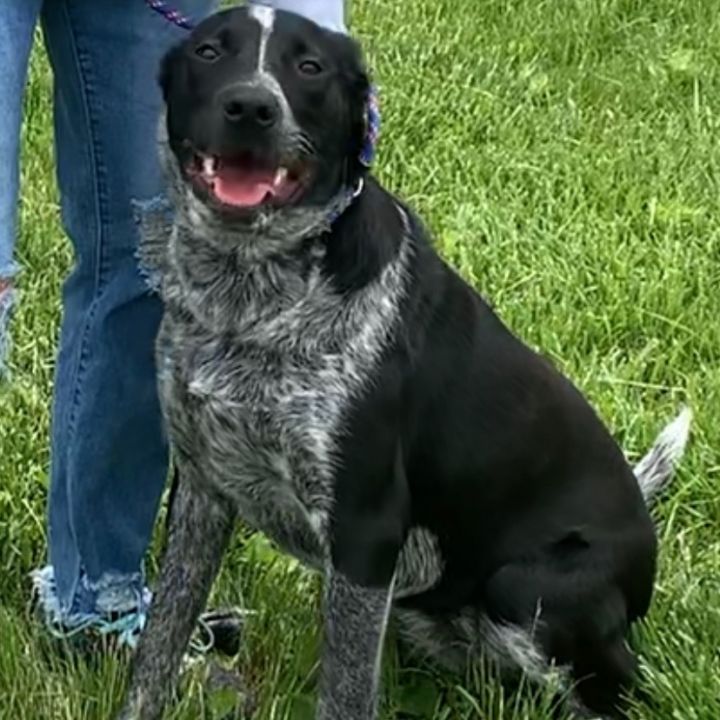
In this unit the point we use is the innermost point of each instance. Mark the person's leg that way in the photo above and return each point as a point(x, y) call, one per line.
point(17, 24)
point(328, 13)
point(109, 457)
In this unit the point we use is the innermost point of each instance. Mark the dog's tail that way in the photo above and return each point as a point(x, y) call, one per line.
point(655, 470)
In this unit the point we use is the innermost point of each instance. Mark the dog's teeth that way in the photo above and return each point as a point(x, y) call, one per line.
point(280, 176)
point(209, 165)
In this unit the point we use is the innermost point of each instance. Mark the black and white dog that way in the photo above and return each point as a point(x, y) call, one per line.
point(329, 380)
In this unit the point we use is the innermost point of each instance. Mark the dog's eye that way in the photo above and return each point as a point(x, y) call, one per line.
point(208, 52)
point(310, 67)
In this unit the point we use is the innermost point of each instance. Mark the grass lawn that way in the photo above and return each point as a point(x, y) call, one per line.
point(565, 152)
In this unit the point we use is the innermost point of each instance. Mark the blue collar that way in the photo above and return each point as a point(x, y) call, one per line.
point(344, 200)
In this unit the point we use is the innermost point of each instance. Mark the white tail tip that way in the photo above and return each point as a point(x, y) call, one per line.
point(654, 471)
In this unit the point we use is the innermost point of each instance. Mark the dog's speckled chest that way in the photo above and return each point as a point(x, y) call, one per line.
point(264, 429)
point(256, 378)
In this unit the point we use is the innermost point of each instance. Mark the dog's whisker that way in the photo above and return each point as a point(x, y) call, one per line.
point(302, 144)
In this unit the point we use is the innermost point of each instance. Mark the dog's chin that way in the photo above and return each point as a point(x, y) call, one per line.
point(244, 185)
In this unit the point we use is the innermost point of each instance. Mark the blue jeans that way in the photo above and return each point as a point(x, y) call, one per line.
point(109, 456)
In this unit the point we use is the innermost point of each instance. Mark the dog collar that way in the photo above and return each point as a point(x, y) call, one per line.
point(344, 200)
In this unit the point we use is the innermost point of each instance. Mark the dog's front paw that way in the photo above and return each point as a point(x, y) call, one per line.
point(135, 708)
point(127, 713)
point(330, 710)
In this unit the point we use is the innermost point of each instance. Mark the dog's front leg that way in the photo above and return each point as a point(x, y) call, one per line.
point(367, 531)
point(355, 621)
point(199, 532)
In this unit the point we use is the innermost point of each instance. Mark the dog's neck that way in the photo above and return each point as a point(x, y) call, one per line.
point(287, 303)
point(231, 279)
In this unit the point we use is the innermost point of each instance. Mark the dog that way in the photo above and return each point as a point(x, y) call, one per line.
point(330, 381)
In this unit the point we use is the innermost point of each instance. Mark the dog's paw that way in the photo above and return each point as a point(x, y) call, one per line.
point(228, 694)
point(135, 709)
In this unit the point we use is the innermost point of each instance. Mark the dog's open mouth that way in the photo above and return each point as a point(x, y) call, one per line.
point(245, 182)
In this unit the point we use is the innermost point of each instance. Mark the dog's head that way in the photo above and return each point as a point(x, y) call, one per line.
point(266, 114)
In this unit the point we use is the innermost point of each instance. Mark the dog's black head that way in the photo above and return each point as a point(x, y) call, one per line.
point(265, 110)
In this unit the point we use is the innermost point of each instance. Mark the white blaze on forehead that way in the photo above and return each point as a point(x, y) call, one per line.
point(266, 17)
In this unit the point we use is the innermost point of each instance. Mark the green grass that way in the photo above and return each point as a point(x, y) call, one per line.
point(565, 152)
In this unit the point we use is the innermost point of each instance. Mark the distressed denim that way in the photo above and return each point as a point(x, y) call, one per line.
point(17, 21)
point(109, 456)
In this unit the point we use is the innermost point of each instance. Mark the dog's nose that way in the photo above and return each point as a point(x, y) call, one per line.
point(251, 106)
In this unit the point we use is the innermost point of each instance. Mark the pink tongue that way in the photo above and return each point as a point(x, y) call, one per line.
point(242, 189)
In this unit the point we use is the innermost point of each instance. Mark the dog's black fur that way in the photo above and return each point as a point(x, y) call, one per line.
point(533, 531)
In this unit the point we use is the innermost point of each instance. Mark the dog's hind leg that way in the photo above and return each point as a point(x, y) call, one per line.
point(577, 621)
point(199, 532)
point(605, 670)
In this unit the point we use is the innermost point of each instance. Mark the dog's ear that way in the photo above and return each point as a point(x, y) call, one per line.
point(361, 100)
point(356, 74)
point(170, 66)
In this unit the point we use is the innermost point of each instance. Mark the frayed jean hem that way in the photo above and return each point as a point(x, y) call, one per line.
point(8, 299)
point(116, 604)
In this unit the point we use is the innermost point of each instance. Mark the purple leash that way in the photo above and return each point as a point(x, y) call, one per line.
point(171, 15)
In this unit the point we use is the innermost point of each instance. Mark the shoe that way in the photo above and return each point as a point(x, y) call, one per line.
point(221, 631)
